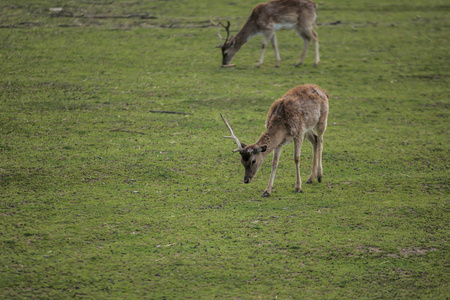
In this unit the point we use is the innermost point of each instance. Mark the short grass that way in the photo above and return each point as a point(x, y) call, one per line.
point(103, 198)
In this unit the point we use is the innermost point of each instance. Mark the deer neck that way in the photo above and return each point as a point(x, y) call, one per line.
point(244, 35)
point(272, 137)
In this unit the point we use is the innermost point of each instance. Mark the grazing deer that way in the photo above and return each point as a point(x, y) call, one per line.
point(265, 19)
point(291, 118)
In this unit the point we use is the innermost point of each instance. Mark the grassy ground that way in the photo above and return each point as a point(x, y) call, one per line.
point(101, 197)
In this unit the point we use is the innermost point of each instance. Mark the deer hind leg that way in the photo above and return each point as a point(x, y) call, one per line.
point(315, 37)
point(306, 40)
point(275, 48)
point(276, 159)
point(312, 137)
point(297, 150)
point(317, 141)
point(307, 36)
point(320, 128)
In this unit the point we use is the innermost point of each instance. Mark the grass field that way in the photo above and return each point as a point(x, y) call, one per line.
point(105, 197)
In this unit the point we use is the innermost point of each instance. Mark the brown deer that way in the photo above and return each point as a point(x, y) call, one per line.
point(301, 112)
point(265, 19)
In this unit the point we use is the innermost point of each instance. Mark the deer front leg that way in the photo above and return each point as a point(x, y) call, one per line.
point(276, 159)
point(297, 150)
point(275, 48)
point(263, 49)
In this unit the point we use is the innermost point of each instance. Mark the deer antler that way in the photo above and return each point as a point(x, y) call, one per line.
point(218, 32)
point(227, 28)
point(232, 134)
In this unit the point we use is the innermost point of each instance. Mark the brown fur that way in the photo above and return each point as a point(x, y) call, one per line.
point(301, 112)
point(264, 19)
point(302, 106)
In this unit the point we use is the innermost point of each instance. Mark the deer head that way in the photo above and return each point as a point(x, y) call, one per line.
point(227, 47)
point(251, 157)
point(265, 19)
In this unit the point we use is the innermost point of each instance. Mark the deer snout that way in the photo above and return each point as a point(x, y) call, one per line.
point(226, 61)
point(247, 179)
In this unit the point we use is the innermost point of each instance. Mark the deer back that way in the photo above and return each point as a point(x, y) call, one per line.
point(299, 110)
point(295, 12)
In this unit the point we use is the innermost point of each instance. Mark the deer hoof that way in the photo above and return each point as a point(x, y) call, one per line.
point(266, 194)
point(309, 181)
point(297, 190)
point(319, 179)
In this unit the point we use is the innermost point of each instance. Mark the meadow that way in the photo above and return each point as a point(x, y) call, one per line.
point(115, 180)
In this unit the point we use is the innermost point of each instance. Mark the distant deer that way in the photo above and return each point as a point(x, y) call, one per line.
point(265, 19)
point(301, 112)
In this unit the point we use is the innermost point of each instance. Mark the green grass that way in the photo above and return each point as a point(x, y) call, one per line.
point(102, 198)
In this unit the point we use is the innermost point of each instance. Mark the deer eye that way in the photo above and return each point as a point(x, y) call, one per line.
point(253, 161)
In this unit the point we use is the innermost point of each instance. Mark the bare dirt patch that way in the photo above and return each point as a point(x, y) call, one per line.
point(415, 251)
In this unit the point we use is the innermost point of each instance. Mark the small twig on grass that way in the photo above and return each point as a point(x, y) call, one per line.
point(331, 23)
point(128, 131)
point(168, 112)
point(139, 16)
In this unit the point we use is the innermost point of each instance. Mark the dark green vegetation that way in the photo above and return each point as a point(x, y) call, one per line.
point(102, 198)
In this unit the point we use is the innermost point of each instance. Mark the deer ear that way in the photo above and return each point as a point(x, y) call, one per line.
point(262, 148)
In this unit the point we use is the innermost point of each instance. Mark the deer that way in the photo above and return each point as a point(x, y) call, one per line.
point(265, 19)
point(301, 112)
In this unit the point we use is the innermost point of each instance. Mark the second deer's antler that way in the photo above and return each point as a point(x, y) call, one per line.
point(227, 28)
